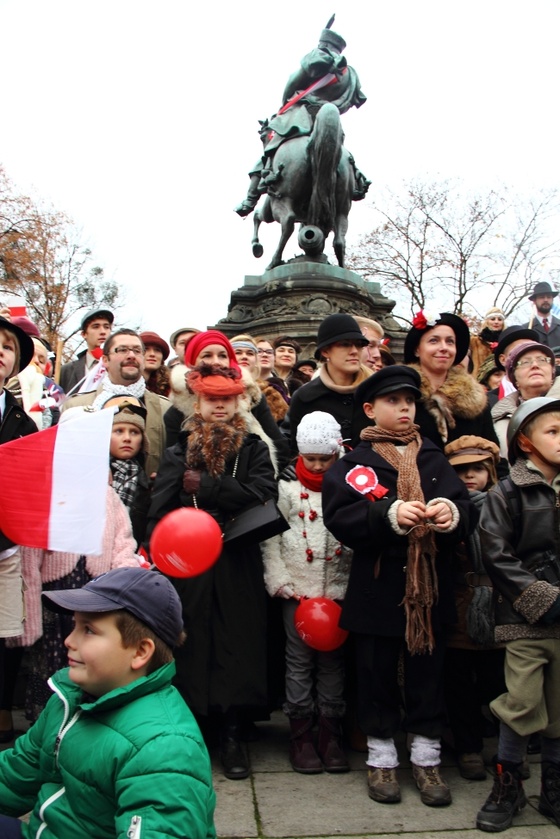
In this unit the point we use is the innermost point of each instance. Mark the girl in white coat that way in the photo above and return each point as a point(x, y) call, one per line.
point(307, 561)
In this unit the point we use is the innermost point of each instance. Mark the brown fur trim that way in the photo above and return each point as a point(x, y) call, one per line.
point(459, 396)
point(536, 600)
point(276, 402)
point(212, 444)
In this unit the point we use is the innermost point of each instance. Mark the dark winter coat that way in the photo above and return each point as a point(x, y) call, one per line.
point(373, 602)
point(223, 662)
point(513, 542)
point(15, 423)
point(316, 396)
point(550, 338)
point(73, 372)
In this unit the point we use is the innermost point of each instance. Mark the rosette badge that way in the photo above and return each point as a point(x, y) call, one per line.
point(422, 319)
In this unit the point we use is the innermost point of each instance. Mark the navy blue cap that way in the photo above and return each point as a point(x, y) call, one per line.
point(148, 595)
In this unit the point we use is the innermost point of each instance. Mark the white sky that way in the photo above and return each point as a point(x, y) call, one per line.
point(139, 119)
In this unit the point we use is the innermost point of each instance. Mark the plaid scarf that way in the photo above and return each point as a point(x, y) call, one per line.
point(421, 589)
point(125, 479)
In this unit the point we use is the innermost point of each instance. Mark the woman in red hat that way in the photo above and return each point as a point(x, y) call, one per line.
point(214, 348)
point(155, 370)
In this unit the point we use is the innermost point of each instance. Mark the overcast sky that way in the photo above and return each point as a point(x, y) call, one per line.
point(139, 119)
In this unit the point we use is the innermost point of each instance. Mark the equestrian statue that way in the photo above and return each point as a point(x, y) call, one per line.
point(306, 173)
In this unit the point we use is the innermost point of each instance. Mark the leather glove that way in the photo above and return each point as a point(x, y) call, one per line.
point(191, 481)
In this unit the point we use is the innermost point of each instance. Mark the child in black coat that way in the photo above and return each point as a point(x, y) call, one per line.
point(397, 502)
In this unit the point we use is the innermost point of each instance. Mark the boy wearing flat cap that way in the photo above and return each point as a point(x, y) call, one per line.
point(398, 503)
point(116, 752)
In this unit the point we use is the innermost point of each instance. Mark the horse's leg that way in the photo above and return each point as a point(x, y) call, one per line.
point(264, 214)
point(343, 198)
point(282, 212)
point(339, 241)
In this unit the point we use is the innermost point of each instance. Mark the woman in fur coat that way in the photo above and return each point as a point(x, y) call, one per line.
point(219, 466)
point(453, 403)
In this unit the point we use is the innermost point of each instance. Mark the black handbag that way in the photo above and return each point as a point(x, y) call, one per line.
point(255, 524)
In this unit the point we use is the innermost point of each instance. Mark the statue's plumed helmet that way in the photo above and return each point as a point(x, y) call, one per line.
point(327, 36)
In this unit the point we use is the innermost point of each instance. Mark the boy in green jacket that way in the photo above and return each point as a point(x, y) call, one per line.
point(116, 754)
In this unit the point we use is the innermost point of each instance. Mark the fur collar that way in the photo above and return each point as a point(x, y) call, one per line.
point(212, 444)
point(459, 396)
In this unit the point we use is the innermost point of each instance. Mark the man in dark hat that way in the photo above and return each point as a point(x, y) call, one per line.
point(543, 322)
point(95, 329)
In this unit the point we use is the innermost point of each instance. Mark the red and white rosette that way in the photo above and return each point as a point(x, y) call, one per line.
point(365, 481)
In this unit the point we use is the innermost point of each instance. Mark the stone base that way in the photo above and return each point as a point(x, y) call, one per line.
point(294, 298)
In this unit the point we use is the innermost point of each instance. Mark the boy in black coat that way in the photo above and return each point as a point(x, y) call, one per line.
point(398, 503)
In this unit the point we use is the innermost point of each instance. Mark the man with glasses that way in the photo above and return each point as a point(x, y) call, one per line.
point(123, 357)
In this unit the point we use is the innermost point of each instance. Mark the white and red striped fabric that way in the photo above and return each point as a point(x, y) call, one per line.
point(54, 484)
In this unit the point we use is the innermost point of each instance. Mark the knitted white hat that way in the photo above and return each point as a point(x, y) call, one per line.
point(319, 433)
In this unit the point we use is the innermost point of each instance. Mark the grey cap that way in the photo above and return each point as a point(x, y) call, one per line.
point(96, 313)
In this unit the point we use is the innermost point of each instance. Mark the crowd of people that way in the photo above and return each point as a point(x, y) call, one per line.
point(420, 496)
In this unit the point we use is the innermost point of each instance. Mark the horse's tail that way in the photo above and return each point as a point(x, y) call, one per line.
point(325, 147)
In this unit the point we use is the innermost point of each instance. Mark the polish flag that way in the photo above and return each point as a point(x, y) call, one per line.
point(54, 484)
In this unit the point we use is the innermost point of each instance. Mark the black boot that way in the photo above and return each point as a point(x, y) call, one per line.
point(505, 800)
point(232, 754)
point(303, 756)
point(549, 801)
point(329, 745)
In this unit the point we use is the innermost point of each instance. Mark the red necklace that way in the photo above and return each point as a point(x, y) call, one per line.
point(307, 513)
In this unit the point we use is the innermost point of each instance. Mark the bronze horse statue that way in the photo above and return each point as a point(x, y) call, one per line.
point(312, 181)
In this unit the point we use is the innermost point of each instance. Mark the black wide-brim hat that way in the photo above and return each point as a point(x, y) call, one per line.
point(388, 380)
point(542, 288)
point(508, 336)
point(26, 345)
point(457, 324)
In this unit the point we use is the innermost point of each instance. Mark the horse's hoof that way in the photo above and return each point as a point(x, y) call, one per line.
point(258, 250)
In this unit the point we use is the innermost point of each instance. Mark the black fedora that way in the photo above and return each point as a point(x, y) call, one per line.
point(509, 335)
point(338, 327)
point(457, 324)
point(542, 288)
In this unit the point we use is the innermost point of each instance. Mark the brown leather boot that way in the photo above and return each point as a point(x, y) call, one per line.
point(329, 745)
point(303, 756)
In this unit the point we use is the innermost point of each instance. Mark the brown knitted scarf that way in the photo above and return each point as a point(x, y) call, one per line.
point(421, 589)
point(212, 444)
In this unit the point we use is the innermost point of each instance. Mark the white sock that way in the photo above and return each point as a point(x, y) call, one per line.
point(425, 751)
point(382, 754)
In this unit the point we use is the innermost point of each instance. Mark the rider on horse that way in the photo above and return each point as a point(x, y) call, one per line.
point(324, 76)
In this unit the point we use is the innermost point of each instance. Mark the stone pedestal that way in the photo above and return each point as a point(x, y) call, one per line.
point(294, 298)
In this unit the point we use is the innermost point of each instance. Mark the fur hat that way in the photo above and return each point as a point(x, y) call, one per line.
point(527, 346)
point(319, 433)
point(423, 322)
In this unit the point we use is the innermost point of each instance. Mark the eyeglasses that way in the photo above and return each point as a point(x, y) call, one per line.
point(128, 350)
point(540, 361)
point(265, 352)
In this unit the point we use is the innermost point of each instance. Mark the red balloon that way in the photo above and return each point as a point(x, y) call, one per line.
point(186, 542)
point(316, 622)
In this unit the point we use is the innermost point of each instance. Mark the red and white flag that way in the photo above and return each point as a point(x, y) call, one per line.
point(54, 484)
